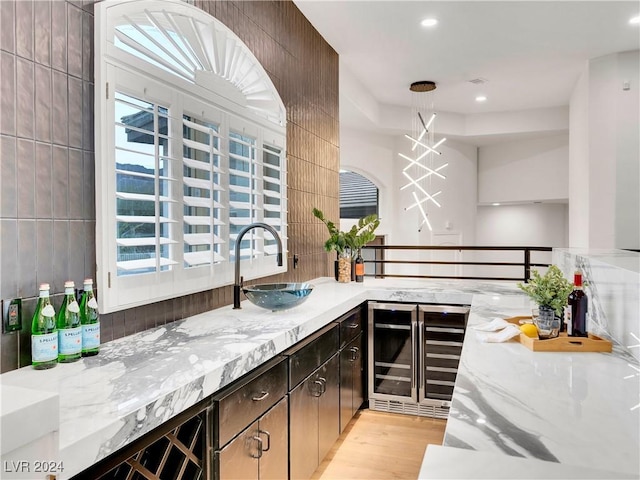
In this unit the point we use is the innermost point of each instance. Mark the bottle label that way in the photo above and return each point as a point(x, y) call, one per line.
point(90, 336)
point(567, 319)
point(92, 303)
point(70, 340)
point(359, 269)
point(73, 307)
point(44, 348)
point(48, 311)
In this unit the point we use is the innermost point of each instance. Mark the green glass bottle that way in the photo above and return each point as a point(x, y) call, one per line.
point(44, 336)
point(90, 319)
point(69, 327)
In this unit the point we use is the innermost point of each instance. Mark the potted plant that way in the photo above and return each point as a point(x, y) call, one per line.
point(337, 242)
point(347, 245)
point(550, 291)
point(357, 237)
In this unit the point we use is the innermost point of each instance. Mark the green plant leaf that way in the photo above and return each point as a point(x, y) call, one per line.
point(551, 290)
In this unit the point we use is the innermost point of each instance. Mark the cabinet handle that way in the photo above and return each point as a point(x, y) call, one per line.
point(268, 439)
point(323, 383)
point(353, 326)
point(354, 353)
point(262, 396)
point(259, 440)
point(317, 392)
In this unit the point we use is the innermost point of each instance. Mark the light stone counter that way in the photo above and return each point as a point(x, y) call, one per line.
point(138, 382)
point(579, 409)
point(442, 463)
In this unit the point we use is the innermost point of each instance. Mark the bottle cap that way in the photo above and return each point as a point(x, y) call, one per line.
point(577, 279)
point(69, 284)
point(88, 281)
point(44, 286)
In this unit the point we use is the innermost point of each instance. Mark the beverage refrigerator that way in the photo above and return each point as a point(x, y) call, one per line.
point(414, 351)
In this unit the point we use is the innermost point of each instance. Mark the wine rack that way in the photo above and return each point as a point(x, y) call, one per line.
point(177, 452)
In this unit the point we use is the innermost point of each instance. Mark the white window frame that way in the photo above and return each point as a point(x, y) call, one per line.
point(221, 98)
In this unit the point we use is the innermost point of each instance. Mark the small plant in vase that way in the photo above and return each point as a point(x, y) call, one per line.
point(550, 291)
point(337, 242)
point(357, 237)
point(347, 245)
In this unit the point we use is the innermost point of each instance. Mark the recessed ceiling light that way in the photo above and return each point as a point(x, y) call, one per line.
point(635, 20)
point(429, 22)
point(495, 204)
point(481, 98)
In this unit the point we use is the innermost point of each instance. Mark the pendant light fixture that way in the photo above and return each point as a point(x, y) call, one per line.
point(423, 169)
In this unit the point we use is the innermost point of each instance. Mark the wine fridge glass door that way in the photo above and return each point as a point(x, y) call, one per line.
point(392, 344)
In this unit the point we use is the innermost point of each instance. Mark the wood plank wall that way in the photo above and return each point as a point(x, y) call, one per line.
point(304, 69)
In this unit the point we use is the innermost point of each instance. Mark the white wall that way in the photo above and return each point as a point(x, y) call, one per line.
point(609, 150)
point(531, 225)
point(535, 225)
point(578, 164)
point(376, 157)
point(372, 156)
point(524, 171)
point(627, 226)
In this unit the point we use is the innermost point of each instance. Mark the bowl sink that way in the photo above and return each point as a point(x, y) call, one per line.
point(278, 296)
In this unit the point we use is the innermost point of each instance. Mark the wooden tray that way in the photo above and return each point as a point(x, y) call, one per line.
point(563, 343)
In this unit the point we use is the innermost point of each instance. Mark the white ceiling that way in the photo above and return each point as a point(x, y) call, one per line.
point(530, 53)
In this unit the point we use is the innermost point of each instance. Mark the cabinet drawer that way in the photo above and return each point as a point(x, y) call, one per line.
point(305, 357)
point(241, 404)
point(350, 326)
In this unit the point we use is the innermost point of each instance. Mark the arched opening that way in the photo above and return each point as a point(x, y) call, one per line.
point(359, 197)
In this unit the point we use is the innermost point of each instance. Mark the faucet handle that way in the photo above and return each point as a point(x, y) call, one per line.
point(241, 281)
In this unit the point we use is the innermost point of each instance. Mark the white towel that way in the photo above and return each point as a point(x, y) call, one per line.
point(492, 326)
point(503, 335)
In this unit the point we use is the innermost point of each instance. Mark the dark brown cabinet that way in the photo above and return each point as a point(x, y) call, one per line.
point(250, 428)
point(314, 400)
point(260, 451)
point(278, 421)
point(351, 365)
point(351, 381)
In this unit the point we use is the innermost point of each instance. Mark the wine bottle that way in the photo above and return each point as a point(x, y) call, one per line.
point(44, 336)
point(90, 320)
point(576, 317)
point(359, 268)
point(69, 327)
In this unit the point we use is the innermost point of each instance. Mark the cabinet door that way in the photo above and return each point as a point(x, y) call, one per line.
point(303, 428)
point(351, 381)
point(346, 388)
point(355, 348)
point(239, 459)
point(329, 406)
point(274, 431)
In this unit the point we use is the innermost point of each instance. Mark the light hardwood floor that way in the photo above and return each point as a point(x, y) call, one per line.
point(378, 445)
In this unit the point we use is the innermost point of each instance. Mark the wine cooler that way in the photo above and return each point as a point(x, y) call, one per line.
point(414, 351)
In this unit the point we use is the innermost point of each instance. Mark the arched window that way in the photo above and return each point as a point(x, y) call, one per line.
point(358, 195)
point(190, 148)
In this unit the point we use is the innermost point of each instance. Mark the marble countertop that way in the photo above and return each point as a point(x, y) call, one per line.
point(580, 409)
point(138, 382)
point(18, 429)
point(442, 463)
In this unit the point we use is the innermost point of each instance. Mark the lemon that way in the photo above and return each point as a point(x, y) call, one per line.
point(530, 330)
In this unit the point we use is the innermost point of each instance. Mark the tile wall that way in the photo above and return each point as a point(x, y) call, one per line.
point(47, 205)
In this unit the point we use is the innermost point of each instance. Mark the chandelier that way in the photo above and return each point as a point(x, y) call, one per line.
point(423, 170)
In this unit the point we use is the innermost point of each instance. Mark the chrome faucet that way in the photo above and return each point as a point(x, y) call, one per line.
point(238, 280)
